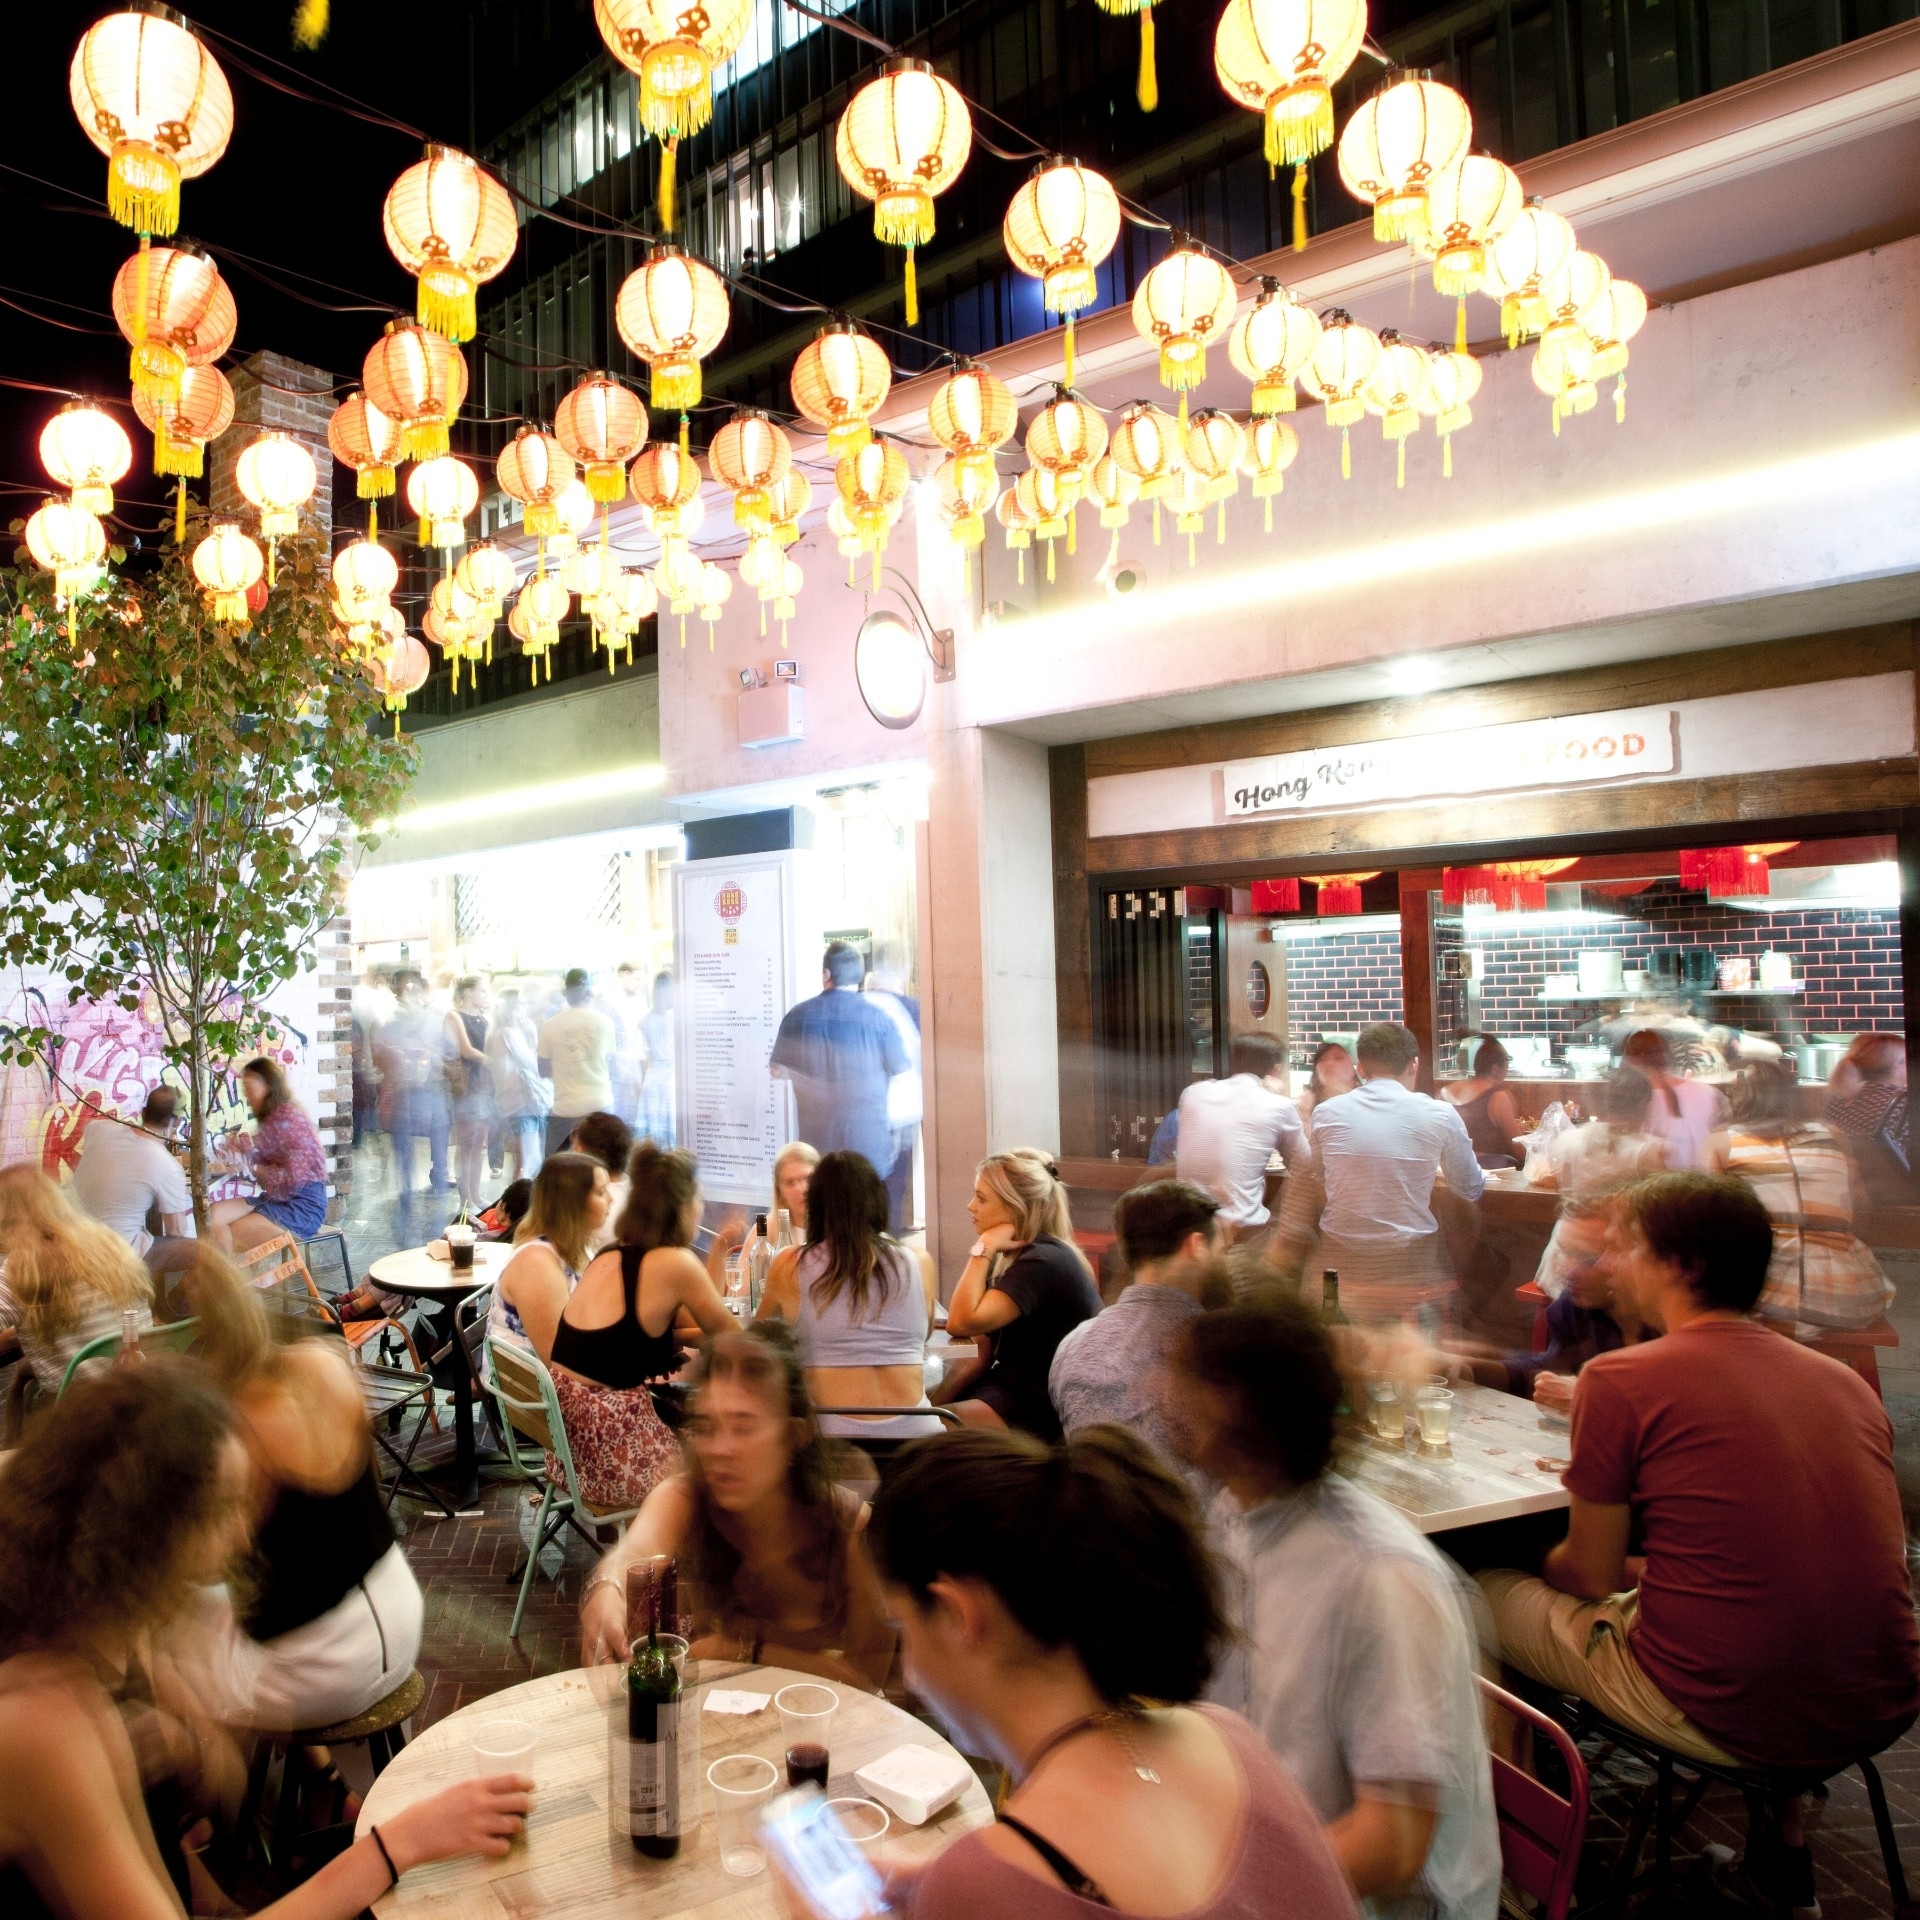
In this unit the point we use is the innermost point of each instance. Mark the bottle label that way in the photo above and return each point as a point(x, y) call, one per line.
point(653, 1777)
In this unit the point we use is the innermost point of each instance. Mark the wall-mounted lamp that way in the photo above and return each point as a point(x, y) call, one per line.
point(891, 654)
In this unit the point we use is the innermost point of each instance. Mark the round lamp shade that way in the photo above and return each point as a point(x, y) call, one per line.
point(666, 482)
point(749, 456)
point(442, 493)
point(181, 428)
point(176, 311)
point(1341, 364)
point(151, 97)
point(450, 223)
point(1113, 489)
point(840, 379)
point(672, 312)
point(972, 412)
point(602, 425)
point(533, 468)
point(1611, 321)
point(277, 475)
point(398, 668)
point(890, 669)
point(1578, 287)
point(364, 577)
point(903, 139)
point(1469, 205)
point(419, 378)
point(365, 439)
point(69, 543)
point(1520, 263)
point(1272, 447)
point(487, 573)
point(787, 499)
point(1397, 141)
point(1185, 304)
point(86, 450)
point(1280, 58)
point(1061, 226)
point(227, 564)
point(1147, 443)
point(1214, 445)
point(1270, 343)
point(1067, 436)
point(674, 49)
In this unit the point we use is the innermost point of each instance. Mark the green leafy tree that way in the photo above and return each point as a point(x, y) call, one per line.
point(180, 799)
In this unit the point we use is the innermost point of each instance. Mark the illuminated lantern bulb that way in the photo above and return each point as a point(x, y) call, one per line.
point(637, 599)
point(227, 564)
point(1396, 390)
point(750, 456)
point(1147, 442)
point(1112, 489)
point(1453, 378)
point(86, 451)
point(873, 483)
point(1060, 227)
point(364, 577)
point(182, 427)
point(575, 508)
point(365, 439)
point(487, 573)
point(761, 564)
point(1017, 523)
point(176, 312)
point(151, 97)
point(1270, 343)
point(1337, 373)
point(672, 312)
point(463, 626)
point(666, 483)
point(543, 604)
point(1067, 436)
point(712, 590)
point(973, 414)
point(1519, 265)
point(1580, 285)
point(1184, 305)
point(532, 468)
point(1610, 322)
point(70, 543)
point(840, 380)
point(965, 494)
point(1047, 508)
point(1414, 128)
point(602, 425)
point(1272, 447)
point(1469, 206)
point(590, 572)
point(1280, 59)
point(1215, 441)
point(675, 575)
point(1563, 371)
point(276, 474)
point(419, 378)
point(397, 667)
point(787, 500)
point(903, 139)
point(451, 224)
point(442, 493)
point(1188, 499)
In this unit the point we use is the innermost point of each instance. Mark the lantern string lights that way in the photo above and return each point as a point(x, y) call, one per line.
point(451, 224)
point(418, 378)
point(69, 543)
point(1060, 228)
point(1271, 343)
point(442, 493)
point(902, 140)
point(363, 438)
point(1396, 390)
point(602, 425)
point(671, 311)
point(181, 429)
point(1469, 206)
point(86, 451)
point(840, 379)
point(1183, 304)
point(750, 456)
point(1397, 141)
point(175, 311)
point(1272, 447)
point(227, 564)
point(1341, 364)
point(1453, 378)
point(276, 474)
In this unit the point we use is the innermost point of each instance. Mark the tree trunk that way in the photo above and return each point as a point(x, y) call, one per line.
point(197, 1118)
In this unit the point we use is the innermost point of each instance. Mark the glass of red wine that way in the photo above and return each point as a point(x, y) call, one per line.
point(806, 1720)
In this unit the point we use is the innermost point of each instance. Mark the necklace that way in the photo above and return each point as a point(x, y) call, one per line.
point(1118, 1719)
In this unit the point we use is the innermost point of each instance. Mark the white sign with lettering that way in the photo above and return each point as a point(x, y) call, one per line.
point(1529, 753)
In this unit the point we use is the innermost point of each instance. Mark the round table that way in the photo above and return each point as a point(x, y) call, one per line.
point(571, 1861)
point(416, 1273)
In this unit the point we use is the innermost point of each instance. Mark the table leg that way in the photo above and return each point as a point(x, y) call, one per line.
point(466, 1472)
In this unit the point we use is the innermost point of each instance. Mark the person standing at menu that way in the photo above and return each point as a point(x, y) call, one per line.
point(840, 1052)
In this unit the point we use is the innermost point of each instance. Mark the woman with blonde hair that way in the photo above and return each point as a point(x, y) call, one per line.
point(66, 1279)
point(572, 1196)
point(1025, 1283)
point(793, 1169)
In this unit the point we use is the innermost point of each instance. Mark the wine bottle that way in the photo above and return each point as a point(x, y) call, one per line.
point(1331, 1313)
point(759, 1259)
point(653, 1724)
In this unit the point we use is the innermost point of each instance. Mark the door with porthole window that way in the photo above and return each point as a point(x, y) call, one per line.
point(1254, 979)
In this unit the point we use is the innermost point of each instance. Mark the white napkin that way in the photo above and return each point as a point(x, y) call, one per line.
point(733, 1700)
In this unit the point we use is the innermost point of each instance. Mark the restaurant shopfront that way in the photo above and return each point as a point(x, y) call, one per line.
point(1724, 845)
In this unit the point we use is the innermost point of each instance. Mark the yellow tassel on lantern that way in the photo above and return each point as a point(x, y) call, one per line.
point(913, 292)
point(1446, 456)
point(180, 515)
point(669, 155)
point(1149, 88)
point(1220, 537)
point(1299, 206)
point(1049, 563)
point(686, 452)
point(1620, 402)
point(373, 522)
point(1069, 350)
point(1020, 566)
point(1400, 478)
point(1192, 555)
point(1073, 523)
point(310, 23)
point(1346, 455)
point(1156, 520)
point(1269, 526)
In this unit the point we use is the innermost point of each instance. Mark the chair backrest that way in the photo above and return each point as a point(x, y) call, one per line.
point(529, 1407)
point(176, 1336)
point(1541, 1833)
point(275, 1263)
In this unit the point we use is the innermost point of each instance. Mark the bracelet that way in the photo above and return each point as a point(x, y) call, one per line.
point(601, 1580)
point(386, 1856)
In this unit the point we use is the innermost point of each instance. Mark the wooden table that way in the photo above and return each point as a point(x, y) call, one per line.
point(571, 1861)
point(416, 1273)
point(1486, 1471)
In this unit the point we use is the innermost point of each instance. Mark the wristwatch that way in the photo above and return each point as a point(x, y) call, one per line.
point(978, 1251)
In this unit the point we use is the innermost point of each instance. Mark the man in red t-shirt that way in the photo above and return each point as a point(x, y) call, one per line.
point(1766, 1616)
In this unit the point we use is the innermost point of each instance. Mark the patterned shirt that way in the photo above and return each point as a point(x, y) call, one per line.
point(284, 1153)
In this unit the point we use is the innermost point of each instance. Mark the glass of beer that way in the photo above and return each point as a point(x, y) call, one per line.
point(1388, 1410)
point(1434, 1406)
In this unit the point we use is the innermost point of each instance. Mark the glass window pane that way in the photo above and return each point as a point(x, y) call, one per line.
point(786, 193)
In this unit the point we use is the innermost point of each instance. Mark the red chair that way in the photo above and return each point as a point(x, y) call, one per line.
point(1540, 1833)
point(1531, 1295)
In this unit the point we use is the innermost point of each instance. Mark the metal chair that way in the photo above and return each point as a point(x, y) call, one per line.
point(386, 1392)
point(276, 1265)
point(529, 1406)
point(1541, 1833)
point(338, 1235)
point(174, 1336)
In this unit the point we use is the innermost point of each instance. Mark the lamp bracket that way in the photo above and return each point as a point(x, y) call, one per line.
point(941, 654)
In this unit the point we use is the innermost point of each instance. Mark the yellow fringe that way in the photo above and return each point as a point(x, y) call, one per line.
point(373, 522)
point(1401, 477)
point(1069, 349)
point(1346, 455)
point(1620, 402)
point(309, 23)
point(1299, 206)
point(669, 156)
point(180, 515)
point(1269, 526)
point(1148, 91)
point(1446, 456)
point(913, 292)
point(445, 304)
point(686, 452)
point(143, 190)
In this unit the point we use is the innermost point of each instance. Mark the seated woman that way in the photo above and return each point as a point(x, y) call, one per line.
point(1867, 1109)
point(326, 1620)
point(284, 1158)
point(860, 1305)
point(570, 1202)
point(772, 1557)
point(983, 1542)
point(1600, 1156)
point(131, 1494)
point(1025, 1283)
point(67, 1280)
point(793, 1169)
point(619, 1330)
point(1491, 1114)
point(1823, 1274)
point(1333, 1074)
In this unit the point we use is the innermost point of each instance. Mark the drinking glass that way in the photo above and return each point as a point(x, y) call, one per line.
point(460, 1242)
point(742, 1785)
point(503, 1746)
point(1434, 1405)
point(806, 1718)
point(1387, 1409)
point(866, 1821)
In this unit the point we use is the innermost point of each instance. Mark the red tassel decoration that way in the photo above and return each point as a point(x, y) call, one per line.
point(1276, 896)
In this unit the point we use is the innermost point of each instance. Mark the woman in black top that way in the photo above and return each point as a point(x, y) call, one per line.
point(1026, 1284)
point(620, 1329)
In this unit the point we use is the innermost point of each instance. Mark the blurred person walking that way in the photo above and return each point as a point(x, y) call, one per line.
point(656, 1121)
point(471, 1084)
point(575, 1048)
point(414, 1058)
point(126, 1173)
point(284, 1159)
point(1684, 1113)
point(841, 1053)
point(522, 1096)
point(906, 1092)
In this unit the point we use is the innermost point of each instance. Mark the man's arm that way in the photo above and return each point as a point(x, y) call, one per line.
point(1456, 1155)
point(1289, 1135)
point(1591, 1562)
point(1381, 1841)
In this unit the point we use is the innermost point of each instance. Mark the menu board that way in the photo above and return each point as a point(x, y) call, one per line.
point(733, 928)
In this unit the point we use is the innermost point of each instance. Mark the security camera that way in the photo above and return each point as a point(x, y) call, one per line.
point(1125, 578)
point(751, 677)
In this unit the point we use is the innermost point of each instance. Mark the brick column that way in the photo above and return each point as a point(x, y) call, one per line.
point(270, 391)
point(333, 1047)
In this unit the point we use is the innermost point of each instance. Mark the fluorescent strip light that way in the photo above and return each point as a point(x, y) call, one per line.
point(610, 785)
point(1868, 468)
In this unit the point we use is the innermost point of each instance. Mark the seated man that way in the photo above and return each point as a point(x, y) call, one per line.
point(1105, 1371)
point(125, 1173)
point(1354, 1655)
point(1773, 1622)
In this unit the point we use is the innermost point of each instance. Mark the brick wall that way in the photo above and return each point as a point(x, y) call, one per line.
point(333, 1047)
point(1339, 982)
point(272, 392)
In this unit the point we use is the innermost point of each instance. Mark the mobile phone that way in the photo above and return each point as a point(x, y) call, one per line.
point(811, 1844)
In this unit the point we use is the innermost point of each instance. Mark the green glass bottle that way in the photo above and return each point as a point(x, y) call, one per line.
point(1331, 1313)
point(653, 1734)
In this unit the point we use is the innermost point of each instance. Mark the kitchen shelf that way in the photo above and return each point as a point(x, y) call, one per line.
point(1652, 993)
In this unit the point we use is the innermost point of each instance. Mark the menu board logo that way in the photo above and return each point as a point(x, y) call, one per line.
point(730, 903)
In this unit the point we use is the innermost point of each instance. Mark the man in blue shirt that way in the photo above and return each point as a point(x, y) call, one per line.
point(840, 1051)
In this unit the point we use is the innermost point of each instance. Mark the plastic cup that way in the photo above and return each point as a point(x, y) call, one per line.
point(1387, 1410)
point(460, 1242)
point(742, 1785)
point(806, 1724)
point(866, 1821)
point(1434, 1406)
point(503, 1746)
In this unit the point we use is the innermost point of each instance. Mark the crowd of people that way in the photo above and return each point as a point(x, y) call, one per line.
point(1109, 1549)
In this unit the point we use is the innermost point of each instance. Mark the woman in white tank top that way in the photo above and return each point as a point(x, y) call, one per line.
point(860, 1305)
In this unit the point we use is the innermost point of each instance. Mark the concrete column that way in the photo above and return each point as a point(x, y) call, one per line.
point(987, 968)
point(272, 392)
